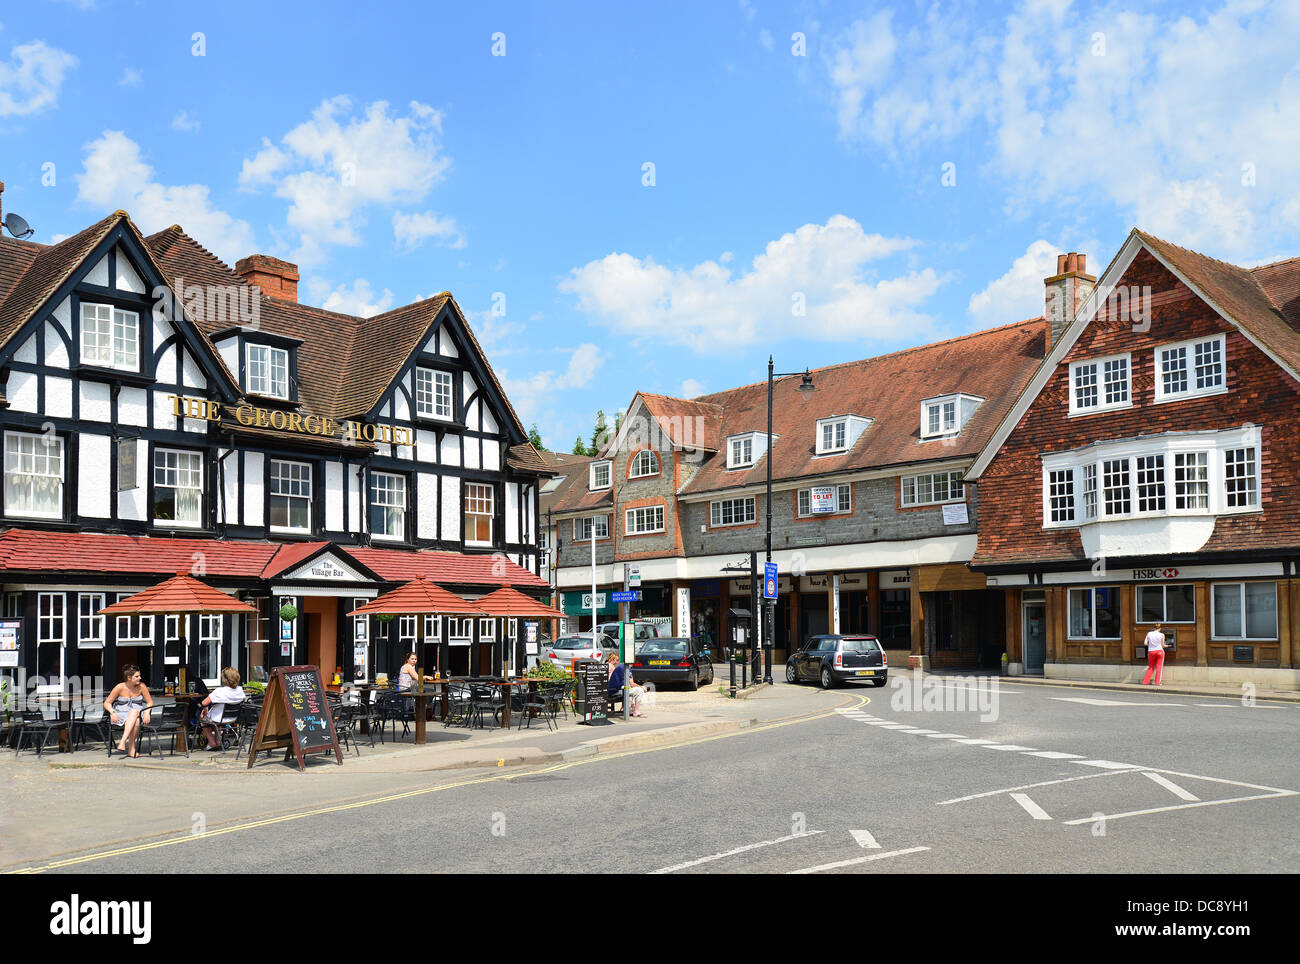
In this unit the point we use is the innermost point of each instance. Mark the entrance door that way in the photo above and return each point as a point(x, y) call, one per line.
point(1035, 637)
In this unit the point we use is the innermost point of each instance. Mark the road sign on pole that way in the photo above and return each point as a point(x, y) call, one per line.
point(769, 580)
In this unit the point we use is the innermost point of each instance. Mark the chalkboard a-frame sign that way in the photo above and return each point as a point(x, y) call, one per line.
point(296, 716)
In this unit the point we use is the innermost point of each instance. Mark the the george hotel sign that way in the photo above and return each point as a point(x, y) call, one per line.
point(320, 426)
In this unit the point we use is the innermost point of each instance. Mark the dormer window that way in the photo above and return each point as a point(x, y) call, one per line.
point(433, 394)
point(947, 414)
point(744, 450)
point(601, 476)
point(268, 371)
point(644, 463)
point(839, 434)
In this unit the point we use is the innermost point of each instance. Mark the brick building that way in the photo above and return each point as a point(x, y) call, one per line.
point(1151, 471)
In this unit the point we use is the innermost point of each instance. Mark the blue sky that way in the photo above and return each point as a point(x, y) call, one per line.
point(829, 181)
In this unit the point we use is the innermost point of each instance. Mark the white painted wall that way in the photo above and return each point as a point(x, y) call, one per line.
point(426, 446)
point(56, 352)
point(254, 498)
point(355, 483)
point(450, 450)
point(21, 391)
point(192, 374)
point(491, 454)
point(133, 407)
point(93, 480)
point(26, 352)
point(512, 512)
point(127, 279)
point(450, 514)
point(167, 365)
point(333, 496)
point(448, 348)
point(228, 349)
point(230, 491)
point(471, 453)
point(426, 490)
point(58, 397)
point(98, 275)
point(95, 403)
point(489, 423)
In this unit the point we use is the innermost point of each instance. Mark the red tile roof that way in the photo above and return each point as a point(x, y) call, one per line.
point(289, 555)
point(510, 602)
point(419, 596)
point(182, 593)
point(397, 565)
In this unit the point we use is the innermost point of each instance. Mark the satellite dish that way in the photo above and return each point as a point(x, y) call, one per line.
point(18, 226)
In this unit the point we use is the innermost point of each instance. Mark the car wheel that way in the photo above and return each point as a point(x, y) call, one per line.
point(790, 676)
point(695, 681)
point(827, 680)
point(879, 682)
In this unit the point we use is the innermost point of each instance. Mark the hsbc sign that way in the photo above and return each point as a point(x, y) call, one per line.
point(1170, 573)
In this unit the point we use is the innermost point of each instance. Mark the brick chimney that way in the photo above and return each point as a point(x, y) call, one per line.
point(1067, 290)
point(2, 209)
point(276, 278)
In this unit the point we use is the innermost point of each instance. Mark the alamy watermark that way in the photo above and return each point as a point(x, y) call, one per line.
point(946, 694)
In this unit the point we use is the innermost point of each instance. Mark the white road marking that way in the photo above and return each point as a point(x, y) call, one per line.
point(946, 736)
point(976, 741)
point(923, 732)
point(865, 840)
point(858, 860)
point(1054, 755)
point(1090, 702)
point(1180, 806)
point(1027, 786)
point(738, 850)
point(1107, 764)
point(893, 726)
point(1031, 808)
point(1007, 746)
point(1169, 785)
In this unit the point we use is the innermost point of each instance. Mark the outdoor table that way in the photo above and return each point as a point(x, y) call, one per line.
point(64, 707)
point(505, 684)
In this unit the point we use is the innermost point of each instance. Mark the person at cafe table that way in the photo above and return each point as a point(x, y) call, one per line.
point(406, 676)
point(618, 673)
point(224, 699)
point(128, 705)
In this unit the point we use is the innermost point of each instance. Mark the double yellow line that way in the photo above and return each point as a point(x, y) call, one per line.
point(408, 794)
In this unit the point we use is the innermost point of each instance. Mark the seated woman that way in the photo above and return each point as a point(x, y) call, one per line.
point(221, 700)
point(406, 675)
point(127, 706)
point(618, 674)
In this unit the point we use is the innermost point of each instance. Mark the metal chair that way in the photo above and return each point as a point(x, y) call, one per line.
point(539, 705)
point(171, 720)
point(345, 719)
point(96, 723)
point(32, 723)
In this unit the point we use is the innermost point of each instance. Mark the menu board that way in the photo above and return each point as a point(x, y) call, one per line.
point(295, 716)
point(593, 691)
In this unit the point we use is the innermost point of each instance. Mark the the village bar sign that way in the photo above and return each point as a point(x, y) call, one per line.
point(346, 431)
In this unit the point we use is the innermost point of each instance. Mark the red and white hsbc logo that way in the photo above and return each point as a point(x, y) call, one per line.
point(1155, 573)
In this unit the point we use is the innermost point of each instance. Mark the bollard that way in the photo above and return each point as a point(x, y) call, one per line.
point(731, 664)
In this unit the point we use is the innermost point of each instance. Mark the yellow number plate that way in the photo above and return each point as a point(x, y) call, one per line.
point(660, 662)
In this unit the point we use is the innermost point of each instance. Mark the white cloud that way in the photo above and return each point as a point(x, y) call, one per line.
point(412, 230)
point(31, 78)
point(1019, 293)
point(765, 40)
point(131, 77)
point(334, 166)
point(115, 176)
point(532, 396)
point(184, 122)
point(1163, 116)
point(359, 299)
point(691, 388)
point(819, 268)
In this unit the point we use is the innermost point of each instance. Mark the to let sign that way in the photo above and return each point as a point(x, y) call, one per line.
point(821, 499)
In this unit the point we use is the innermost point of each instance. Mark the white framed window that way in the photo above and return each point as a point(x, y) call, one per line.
point(644, 463)
point(406, 627)
point(290, 496)
point(832, 436)
point(433, 393)
point(740, 452)
point(1095, 613)
point(478, 514)
point(947, 414)
point(1166, 603)
point(110, 337)
point(134, 630)
point(387, 505)
point(1060, 495)
point(1175, 474)
point(34, 468)
point(50, 617)
point(843, 501)
point(459, 630)
point(1190, 369)
point(940, 418)
point(90, 627)
point(934, 488)
point(601, 476)
point(487, 629)
point(360, 624)
point(178, 488)
point(582, 528)
point(1243, 610)
point(1240, 478)
point(732, 512)
point(649, 518)
point(268, 371)
point(207, 656)
point(1100, 385)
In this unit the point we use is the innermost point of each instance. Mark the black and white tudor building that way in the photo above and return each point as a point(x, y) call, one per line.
point(163, 413)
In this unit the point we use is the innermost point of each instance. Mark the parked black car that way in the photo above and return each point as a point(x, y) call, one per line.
point(839, 659)
point(672, 660)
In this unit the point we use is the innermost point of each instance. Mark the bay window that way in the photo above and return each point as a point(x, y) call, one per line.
point(34, 468)
point(178, 487)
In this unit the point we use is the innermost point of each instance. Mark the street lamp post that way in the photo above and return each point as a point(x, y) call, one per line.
point(769, 608)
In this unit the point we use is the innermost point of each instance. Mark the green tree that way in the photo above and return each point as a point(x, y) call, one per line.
point(578, 447)
point(535, 437)
point(597, 434)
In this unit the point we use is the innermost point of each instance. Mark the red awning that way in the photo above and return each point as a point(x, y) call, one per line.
point(422, 598)
point(182, 593)
point(512, 603)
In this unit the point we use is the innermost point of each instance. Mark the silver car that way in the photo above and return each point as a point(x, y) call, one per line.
point(563, 651)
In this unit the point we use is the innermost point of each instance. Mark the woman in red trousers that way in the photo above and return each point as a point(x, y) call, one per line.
point(1155, 655)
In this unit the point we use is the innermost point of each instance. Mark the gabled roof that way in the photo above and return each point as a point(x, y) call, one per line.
point(1263, 303)
point(888, 389)
point(572, 494)
point(687, 423)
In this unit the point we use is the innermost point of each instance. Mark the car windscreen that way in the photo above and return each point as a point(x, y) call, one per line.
point(663, 647)
point(573, 642)
point(865, 646)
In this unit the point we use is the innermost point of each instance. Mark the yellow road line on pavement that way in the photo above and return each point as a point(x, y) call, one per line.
point(405, 795)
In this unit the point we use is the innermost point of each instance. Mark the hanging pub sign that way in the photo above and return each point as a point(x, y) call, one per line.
point(295, 716)
point(127, 476)
point(253, 416)
point(821, 499)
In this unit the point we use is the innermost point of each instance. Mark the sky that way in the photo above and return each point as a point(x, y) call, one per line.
point(656, 197)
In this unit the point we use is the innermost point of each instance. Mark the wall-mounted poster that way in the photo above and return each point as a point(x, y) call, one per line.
point(359, 660)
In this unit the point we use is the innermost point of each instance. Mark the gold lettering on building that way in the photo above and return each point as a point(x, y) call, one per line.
point(348, 432)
